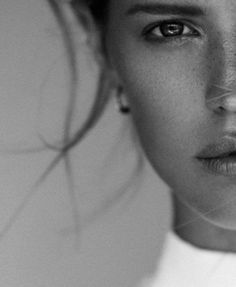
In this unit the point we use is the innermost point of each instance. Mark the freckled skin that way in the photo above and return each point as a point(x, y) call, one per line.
point(168, 86)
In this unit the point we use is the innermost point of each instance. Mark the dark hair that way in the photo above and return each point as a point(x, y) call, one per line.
point(99, 10)
point(100, 100)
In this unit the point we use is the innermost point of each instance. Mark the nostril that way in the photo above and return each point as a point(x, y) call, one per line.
point(220, 110)
point(222, 104)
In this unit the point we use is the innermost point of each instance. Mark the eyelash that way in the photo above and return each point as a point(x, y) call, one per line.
point(150, 36)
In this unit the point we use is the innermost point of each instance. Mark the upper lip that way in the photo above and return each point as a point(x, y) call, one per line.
point(222, 148)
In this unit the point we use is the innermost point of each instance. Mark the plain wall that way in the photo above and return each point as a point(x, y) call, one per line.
point(119, 249)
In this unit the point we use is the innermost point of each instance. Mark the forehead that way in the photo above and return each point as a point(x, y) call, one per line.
point(204, 4)
point(220, 12)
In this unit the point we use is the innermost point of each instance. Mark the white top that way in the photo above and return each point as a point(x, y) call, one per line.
point(184, 265)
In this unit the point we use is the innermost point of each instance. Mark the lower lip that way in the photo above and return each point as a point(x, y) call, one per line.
point(223, 166)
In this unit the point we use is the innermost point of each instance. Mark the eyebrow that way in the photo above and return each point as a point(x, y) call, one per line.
point(157, 8)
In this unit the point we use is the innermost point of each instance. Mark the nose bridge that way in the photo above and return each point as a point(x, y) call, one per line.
point(229, 60)
point(223, 86)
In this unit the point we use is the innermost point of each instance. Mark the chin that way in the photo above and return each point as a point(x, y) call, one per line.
point(223, 218)
point(222, 222)
point(218, 213)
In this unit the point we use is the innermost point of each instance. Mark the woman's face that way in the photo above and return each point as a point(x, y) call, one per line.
point(177, 62)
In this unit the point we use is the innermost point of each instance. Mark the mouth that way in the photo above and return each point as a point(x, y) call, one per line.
point(220, 157)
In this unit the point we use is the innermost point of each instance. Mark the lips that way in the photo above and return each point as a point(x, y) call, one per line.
point(224, 147)
point(220, 157)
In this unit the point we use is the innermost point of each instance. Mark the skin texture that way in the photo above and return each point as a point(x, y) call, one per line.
point(170, 86)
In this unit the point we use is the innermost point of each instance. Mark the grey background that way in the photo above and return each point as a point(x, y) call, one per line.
point(119, 249)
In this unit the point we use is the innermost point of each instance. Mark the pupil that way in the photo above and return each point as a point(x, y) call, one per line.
point(172, 29)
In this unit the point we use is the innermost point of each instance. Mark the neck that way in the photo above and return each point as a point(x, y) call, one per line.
point(200, 232)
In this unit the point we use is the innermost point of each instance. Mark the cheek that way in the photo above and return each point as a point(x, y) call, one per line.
point(165, 94)
point(166, 90)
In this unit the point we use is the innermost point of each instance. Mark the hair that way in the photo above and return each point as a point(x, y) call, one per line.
point(98, 9)
point(92, 15)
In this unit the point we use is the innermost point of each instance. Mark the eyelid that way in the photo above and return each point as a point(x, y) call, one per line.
point(148, 29)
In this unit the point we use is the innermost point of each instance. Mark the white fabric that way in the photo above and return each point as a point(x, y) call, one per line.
point(184, 265)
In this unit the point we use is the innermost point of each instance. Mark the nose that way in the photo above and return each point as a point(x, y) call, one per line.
point(221, 92)
point(227, 104)
point(224, 101)
point(225, 109)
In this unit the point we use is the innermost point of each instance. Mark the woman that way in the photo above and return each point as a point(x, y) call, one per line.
point(175, 64)
point(171, 65)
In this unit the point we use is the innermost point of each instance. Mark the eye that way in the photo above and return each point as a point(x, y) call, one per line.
point(169, 29)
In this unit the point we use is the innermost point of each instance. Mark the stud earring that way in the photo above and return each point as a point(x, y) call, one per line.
point(122, 107)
